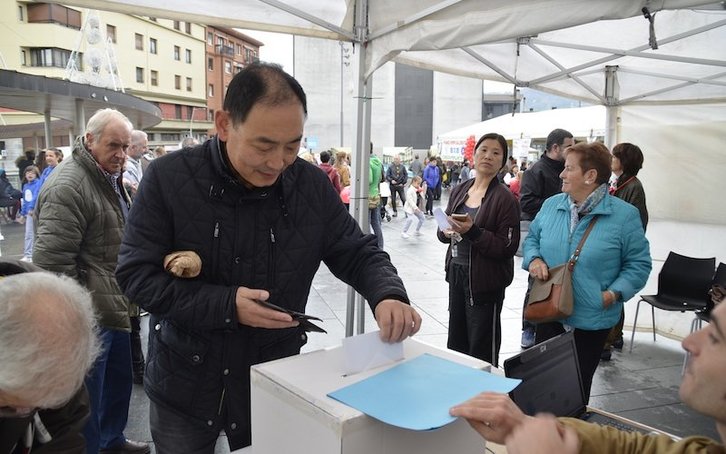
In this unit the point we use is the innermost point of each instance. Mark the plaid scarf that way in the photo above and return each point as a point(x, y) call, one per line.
point(578, 212)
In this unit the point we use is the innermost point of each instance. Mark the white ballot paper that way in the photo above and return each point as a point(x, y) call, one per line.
point(367, 351)
point(441, 219)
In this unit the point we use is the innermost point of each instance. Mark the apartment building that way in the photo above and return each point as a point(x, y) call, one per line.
point(181, 67)
point(228, 51)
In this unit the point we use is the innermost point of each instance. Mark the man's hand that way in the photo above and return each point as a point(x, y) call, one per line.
point(493, 415)
point(543, 434)
point(251, 313)
point(397, 320)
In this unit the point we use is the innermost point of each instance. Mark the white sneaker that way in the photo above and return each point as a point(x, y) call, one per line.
point(417, 233)
point(26, 259)
point(405, 235)
point(1, 237)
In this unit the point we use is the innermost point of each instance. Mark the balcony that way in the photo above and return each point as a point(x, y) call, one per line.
point(224, 50)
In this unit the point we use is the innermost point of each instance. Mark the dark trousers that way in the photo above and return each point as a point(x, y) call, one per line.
point(174, 433)
point(589, 347)
point(137, 353)
point(109, 389)
point(474, 323)
point(398, 189)
point(616, 333)
point(430, 193)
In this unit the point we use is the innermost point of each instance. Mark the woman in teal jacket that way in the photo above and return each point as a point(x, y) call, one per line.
point(615, 260)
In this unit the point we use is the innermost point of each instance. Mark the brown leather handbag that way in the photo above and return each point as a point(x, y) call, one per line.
point(552, 299)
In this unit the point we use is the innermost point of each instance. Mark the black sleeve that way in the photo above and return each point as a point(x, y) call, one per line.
point(531, 197)
point(65, 426)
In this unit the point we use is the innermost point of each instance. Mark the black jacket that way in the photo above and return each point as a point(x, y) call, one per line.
point(539, 182)
point(494, 236)
point(270, 238)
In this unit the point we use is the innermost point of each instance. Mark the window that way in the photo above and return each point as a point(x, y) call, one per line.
point(210, 90)
point(177, 111)
point(190, 112)
point(140, 75)
point(177, 82)
point(170, 137)
point(50, 57)
point(176, 25)
point(139, 41)
point(188, 28)
point(228, 67)
point(250, 55)
point(23, 58)
point(220, 40)
point(188, 55)
point(21, 15)
point(53, 13)
point(152, 45)
point(189, 84)
point(210, 38)
point(176, 53)
point(210, 64)
point(154, 78)
point(210, 115)
point(239, 49)
point(111, 33)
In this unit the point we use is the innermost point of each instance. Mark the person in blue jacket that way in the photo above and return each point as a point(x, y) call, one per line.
point(432, 177)
point(615, 260)
point(30, 195)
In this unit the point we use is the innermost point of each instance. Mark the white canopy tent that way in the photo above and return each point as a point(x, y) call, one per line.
point(599, 51)
point(588, 122)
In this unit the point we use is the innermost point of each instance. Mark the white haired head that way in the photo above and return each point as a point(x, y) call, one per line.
point(48, 337)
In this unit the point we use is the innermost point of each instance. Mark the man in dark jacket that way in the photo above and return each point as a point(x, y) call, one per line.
point(260, 221)
point(43, 403)
point(539, 182)
point(397, 176)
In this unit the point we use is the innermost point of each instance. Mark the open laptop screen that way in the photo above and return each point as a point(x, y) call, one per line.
point(550, 378)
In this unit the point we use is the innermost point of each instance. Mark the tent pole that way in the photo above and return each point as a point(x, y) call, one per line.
point(360, 158)
point(612, 109)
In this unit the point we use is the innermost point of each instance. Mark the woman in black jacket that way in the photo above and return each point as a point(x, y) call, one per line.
point(484, 235)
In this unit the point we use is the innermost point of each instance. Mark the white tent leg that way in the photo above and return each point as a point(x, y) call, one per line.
point(612, 133)
point(360, 163)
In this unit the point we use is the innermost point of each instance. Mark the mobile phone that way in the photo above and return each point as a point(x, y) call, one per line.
point(459, 216)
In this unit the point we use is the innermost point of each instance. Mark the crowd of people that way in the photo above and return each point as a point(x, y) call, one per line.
point(209, 239)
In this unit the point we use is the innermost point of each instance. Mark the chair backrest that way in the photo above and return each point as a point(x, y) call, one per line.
point(683, 276)
point(720, 276)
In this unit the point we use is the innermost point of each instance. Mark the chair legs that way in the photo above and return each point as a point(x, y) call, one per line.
point(635, 323)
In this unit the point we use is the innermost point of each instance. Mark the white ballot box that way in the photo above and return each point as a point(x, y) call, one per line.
point(291, 412)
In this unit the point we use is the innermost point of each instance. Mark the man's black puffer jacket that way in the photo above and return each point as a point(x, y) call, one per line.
point(266, 238)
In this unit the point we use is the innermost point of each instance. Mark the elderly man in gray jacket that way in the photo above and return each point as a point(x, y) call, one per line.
point(81, 212)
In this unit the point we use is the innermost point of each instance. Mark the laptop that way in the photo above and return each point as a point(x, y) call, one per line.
point(551, 383)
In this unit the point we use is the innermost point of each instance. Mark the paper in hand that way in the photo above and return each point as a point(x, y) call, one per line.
point(441, 220)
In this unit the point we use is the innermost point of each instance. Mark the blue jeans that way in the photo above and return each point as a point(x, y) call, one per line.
point(375, 220)
point(109, 388)
point(29, 232)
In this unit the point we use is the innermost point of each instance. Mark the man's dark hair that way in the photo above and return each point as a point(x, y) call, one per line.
point(630, 156)
point(264, 83)
point(557, 137)
point(324, 156)
point(502, 143)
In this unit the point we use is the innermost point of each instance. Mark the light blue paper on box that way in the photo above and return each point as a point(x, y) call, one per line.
point(417, 394)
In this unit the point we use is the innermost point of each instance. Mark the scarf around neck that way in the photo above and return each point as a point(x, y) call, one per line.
point(578, 212)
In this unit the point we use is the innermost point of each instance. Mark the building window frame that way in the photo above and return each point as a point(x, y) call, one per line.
point(152, 46)
point(154, 78)
point(188, 55)
point(111, 32)
point(189, 84)
point(177, 82)
point(139, 40)
point(139, 75)
point(177, 53)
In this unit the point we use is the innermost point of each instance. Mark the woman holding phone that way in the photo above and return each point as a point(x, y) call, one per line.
point(483, 237)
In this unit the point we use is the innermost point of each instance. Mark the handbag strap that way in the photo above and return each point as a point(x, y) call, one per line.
point(576, 255)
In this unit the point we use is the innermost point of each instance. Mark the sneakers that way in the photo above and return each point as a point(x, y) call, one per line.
point(1, 237)
point(527, 338)
point(405, 235)
point(395, 214)
point(27, 259)
point(618, 344)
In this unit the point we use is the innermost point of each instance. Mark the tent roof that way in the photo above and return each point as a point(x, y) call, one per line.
point(557, 46)
point(581, 122)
